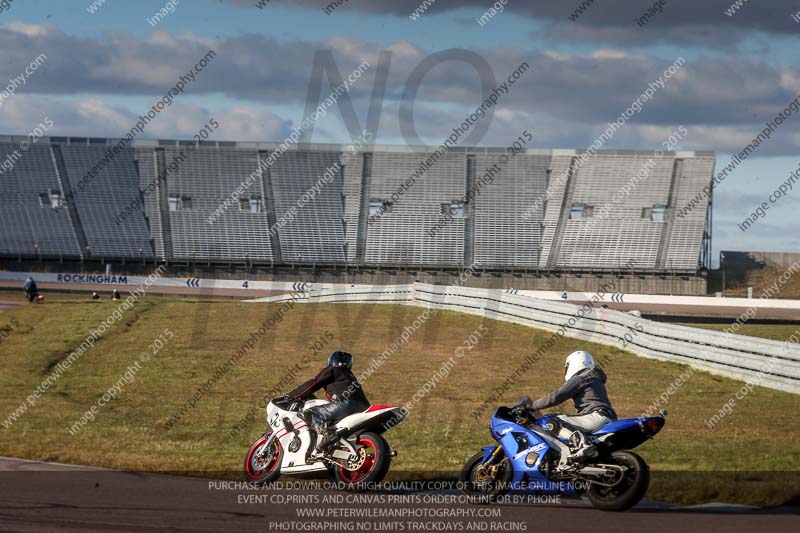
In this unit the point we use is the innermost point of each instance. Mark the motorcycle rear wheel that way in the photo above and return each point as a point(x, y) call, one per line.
point(477, 488)
point(630, 489)
point(374, 468)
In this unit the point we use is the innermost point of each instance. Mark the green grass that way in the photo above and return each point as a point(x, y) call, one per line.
point(777, 332)
point(131, 432)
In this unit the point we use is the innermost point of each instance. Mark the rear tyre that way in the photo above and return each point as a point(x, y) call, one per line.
point(629, 489)
point(263, 465)
point(484, 484)
point(373, 469)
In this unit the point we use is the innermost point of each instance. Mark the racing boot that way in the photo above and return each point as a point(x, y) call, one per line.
point(582, 447)
point(325, 437)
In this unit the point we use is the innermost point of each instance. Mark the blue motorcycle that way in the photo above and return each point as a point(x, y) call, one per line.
point(526, 460)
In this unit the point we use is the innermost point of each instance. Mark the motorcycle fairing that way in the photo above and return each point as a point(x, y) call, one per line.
point(373, 419)
point(620, 434)
point(518, 442)
point(619, 425)
point(629, 433)
point(295, 462)
point(292, 462)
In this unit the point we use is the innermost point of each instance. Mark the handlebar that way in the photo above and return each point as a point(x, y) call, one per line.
point(520, 405)
point(284, 402)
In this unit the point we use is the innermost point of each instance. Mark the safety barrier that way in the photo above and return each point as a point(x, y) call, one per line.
point(122, 280)
point(763, 362)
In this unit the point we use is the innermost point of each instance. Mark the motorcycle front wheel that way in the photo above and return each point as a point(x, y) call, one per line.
point(628, 489)
point(262, 465)
point(483, 483)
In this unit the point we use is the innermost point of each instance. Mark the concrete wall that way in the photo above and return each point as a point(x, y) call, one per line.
point(626, 283)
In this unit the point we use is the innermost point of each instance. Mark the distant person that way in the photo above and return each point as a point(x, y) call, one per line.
point(95, 296)
point(30, 289)
point(115, 294)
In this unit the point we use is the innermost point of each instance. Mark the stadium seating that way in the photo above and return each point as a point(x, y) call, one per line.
point(397, 235)
point(31, 223)
point(103, 197)
point(601, 212)
point(198, 181)
point(503, 239)
point(620, 226)
point(148, 182)
point(307, 189)
point(688, 230)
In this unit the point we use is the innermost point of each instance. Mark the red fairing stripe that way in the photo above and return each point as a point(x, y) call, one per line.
point(379, 407)
point(282, 433)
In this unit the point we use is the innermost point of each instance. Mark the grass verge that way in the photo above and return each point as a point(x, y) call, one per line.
point(693, 463)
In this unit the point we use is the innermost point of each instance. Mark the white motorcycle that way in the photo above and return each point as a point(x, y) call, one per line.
point(360, 456)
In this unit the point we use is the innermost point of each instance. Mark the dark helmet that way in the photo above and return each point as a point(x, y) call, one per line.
point(339, 358)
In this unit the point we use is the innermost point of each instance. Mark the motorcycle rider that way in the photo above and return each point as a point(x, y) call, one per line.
point(30, 289)
point(341, 387)
point(585, 385)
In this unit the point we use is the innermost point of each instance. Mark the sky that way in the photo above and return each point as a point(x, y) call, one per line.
point(107, 62)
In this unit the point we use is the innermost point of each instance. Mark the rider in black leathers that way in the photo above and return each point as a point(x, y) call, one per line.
point(342, 389)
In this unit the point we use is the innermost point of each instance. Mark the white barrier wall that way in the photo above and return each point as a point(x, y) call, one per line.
point(122, 280)
point(763, 362)
point(701, 301)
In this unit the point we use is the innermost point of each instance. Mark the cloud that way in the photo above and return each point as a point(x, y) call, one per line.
point(119, 63)
point(688, 22)
point(692, 34)
point(92, 117)
point(30, 30)
point(566, 97)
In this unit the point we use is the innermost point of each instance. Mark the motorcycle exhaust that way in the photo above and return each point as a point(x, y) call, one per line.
point(392, 453)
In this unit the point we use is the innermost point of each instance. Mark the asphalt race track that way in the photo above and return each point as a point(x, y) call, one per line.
point(38, 496)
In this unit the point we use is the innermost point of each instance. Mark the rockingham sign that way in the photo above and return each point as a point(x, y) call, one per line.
point(193, 283)
point(99, 279)
point(92, 278)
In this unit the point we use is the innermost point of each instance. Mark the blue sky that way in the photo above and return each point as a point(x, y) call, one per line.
point(104, 69)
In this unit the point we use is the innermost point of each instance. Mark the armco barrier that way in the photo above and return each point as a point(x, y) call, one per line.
point(121, 281)
point(394, 294)
point(763, 362)
point(649, 299)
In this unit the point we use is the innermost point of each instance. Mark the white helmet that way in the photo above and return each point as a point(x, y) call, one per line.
point(577, 361)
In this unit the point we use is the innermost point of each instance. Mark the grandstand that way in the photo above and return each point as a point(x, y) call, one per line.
point(96, 205)
point(358, 218)
point(397, 237)
point(32, 216)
